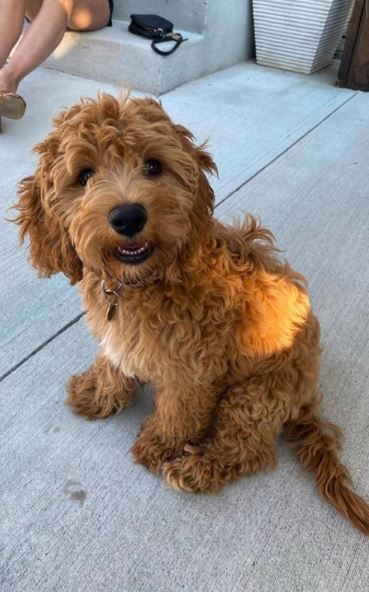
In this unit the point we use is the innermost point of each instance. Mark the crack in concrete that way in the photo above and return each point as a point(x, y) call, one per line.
point(40, 347)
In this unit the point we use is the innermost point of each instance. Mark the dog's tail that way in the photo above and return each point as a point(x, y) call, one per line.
point(317, 445)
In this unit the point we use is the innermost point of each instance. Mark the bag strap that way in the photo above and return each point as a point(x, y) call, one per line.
point(177, 37)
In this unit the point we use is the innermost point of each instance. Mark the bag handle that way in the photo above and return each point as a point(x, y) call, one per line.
point(177, 37)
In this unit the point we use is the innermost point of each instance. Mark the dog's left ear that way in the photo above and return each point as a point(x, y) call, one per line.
point(50, 248)
point(200, 153)
point(205, 160)
point(206, 165)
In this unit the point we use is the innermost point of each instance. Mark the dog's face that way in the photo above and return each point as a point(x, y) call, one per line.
point(119, 189)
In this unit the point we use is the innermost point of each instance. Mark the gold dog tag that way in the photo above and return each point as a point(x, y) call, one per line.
point(111, 311)
point(112, 297)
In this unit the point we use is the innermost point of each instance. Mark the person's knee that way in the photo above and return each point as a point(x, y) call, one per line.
point(89, 16)
point(80, 20)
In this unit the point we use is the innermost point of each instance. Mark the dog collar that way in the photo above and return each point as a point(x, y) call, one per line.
point(113, 295)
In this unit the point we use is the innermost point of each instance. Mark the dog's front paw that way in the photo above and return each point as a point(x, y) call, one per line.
point(194, 472)
point(152, 450)
point(88, 397)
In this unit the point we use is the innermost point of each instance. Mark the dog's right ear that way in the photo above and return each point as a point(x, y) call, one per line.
point(50, 247)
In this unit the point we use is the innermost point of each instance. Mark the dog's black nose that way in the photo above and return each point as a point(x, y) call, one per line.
point(128, 219)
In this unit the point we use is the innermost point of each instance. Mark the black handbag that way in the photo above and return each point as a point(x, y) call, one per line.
point(156, 28)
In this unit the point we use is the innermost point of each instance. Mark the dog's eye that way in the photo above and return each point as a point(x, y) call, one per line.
point(152, 167)
point(84, 176)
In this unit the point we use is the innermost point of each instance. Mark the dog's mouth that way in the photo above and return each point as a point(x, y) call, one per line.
point(134, 253)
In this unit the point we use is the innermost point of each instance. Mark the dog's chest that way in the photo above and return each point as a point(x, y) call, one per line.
point(123, 355)
point(130, 342)
point(145, 339)
point(130, 349)
point(155, 338)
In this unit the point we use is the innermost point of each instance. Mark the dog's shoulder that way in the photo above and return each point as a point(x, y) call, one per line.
point(273, 304)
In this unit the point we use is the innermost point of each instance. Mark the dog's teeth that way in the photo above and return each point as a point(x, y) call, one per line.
point(133, 252)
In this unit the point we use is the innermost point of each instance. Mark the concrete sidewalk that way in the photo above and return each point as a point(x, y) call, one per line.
point(75, 512)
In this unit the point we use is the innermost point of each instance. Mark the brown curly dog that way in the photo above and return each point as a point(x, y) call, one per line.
point(205, 312)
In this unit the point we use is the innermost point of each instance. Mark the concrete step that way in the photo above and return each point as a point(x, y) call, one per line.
point(217, 39)
point(116, 56)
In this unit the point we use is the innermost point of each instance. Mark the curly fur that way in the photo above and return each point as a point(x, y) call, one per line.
point(213, 319)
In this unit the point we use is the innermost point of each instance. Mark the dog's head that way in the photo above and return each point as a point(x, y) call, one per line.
point(119, 189)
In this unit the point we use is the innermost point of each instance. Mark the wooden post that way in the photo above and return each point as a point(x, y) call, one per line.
point(354, 69)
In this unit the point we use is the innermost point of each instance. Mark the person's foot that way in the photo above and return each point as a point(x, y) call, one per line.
point(12, 105)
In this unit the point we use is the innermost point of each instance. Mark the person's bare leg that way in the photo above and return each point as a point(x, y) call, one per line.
point(49, 21)
point(11, 25)
point(44, 34)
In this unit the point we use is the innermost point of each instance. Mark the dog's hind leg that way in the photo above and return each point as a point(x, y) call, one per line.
point(242, 442)
point(99, 391)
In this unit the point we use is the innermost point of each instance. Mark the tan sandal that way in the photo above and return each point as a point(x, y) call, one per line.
point(12, 105)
